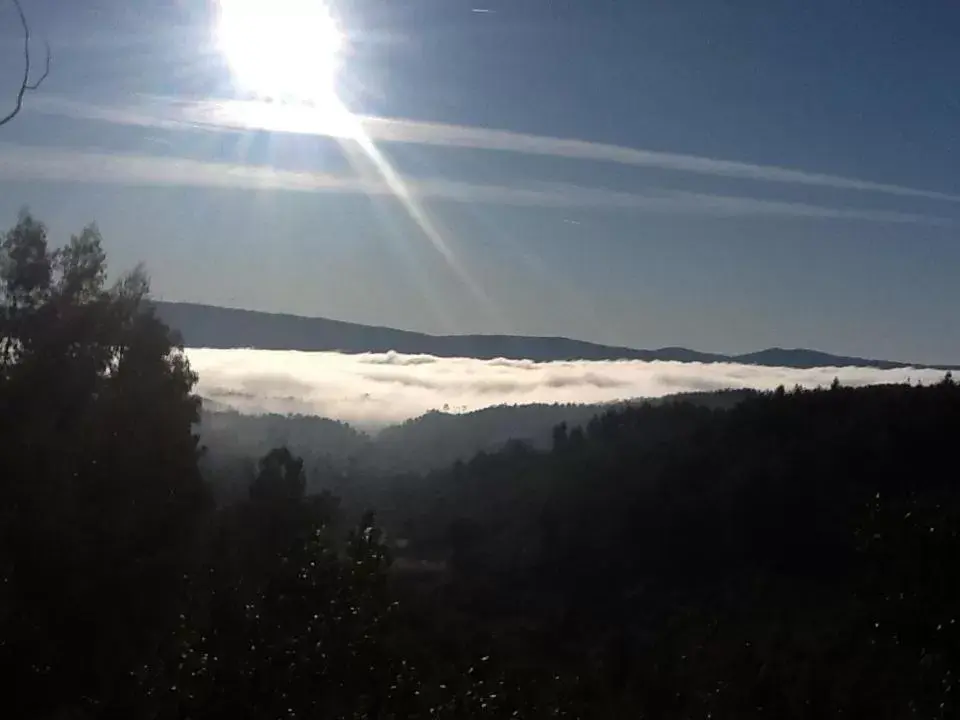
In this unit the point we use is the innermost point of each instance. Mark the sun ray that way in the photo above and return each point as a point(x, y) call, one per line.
point(415, 209)
point(289, 51)
point(361, 164)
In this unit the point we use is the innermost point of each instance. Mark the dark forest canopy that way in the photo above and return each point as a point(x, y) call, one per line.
point(792, 555)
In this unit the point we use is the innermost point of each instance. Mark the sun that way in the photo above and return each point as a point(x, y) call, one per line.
point(287, 50)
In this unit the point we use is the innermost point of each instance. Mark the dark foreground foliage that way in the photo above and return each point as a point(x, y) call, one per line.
point(794, 556)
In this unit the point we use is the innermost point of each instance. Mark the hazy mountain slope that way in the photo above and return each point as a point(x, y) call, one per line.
point(438, 439)
point(255, 435)
point(434, 440)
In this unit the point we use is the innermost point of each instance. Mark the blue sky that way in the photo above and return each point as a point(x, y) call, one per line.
point(520, 230)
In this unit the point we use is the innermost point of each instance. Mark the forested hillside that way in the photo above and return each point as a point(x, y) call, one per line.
point(429, 442)
point(777, 559)
point(790, 555)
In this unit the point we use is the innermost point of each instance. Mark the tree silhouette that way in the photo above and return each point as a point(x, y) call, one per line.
point(280, 478)
point(100, 492)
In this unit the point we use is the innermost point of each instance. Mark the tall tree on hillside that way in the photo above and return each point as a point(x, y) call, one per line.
point(99, 483)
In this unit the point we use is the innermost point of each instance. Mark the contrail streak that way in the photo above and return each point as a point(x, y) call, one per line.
point(171, 113)
point(19, 162)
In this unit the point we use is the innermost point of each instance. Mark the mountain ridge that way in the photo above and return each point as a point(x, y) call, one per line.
point(211, 326)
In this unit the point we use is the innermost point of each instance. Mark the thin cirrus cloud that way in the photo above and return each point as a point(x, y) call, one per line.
point(19, 162)
point(172, 113)
point(375, 390)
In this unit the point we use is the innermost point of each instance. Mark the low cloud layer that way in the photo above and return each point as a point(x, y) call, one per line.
point(374, 390)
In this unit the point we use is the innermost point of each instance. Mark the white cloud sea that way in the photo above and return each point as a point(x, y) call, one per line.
point(373, 390)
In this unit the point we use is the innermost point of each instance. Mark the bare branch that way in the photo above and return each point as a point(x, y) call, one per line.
point(46, 69)
point(25, 84)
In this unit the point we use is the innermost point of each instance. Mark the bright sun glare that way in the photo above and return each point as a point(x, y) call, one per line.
point(289, 51)
point(285, 50)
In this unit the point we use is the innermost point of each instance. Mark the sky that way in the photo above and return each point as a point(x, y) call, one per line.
point(721, 176)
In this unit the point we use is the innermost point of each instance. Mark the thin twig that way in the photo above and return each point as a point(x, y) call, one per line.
point(25, 83)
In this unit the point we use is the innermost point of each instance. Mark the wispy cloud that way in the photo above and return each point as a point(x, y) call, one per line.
point(18, 163)
point(171, 113)
point(378, 389)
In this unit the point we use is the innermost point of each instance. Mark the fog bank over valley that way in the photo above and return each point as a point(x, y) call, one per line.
point(374, 390)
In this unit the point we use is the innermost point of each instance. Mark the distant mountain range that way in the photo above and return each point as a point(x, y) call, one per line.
point(216, 327)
